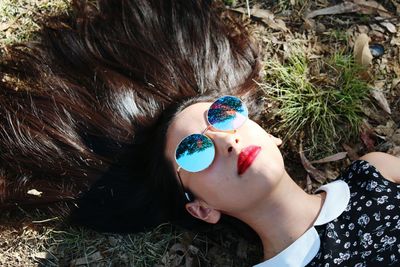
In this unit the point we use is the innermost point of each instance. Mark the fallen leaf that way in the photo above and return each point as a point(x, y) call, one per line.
point(395, 151)
point(389, 26)
point(373, 114)
point(366, 135)
point(386, 130)
point(363, 28)
point(346, 7)
point(395, 82)
point(309, 187)
point(372, 7)
point(35, 192)
point(179, 253)
point(359, 6)
point(395, 138)
point(266, 16)
point(377, 28)
point(381, 99)
point(316, 174)
point(362, 54)
point(5, 25)
point(335, 157)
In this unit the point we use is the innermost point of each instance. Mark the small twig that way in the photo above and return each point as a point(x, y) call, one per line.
point(248, 8)
point(46, 220)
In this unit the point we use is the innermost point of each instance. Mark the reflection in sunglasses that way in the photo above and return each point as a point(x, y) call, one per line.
point(194, 143)
point(196, 152)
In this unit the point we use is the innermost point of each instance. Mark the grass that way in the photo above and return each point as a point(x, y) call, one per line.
point(38, 238)
point(320, 97)
point(19, 18)
point(88, 247)
point(50, 246)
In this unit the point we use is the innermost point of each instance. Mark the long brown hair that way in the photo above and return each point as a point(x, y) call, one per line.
point(83, 112)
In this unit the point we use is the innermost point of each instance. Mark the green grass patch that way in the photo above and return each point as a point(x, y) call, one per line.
point(320, 97)
point(230, 2)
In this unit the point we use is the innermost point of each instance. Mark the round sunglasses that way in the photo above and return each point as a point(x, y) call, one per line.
point(196, 152)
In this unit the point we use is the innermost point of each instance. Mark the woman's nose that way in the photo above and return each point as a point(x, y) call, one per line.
point(230, 148)
point(225, 142)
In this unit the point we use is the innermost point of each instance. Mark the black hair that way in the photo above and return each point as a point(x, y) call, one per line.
point(84, 111)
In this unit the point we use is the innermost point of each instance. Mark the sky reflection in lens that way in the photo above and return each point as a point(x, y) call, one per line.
point(195, 152)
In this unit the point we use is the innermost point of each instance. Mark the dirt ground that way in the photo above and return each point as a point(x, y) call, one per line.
point(320, 29)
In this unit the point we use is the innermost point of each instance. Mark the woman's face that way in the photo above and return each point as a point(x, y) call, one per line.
point(220, 186)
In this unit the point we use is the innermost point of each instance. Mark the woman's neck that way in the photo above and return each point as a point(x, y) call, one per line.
point(283, 216)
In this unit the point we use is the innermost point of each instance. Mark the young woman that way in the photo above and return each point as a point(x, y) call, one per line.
point(229, 165)
point(95, 116)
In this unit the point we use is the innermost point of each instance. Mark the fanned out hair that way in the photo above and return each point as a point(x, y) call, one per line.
point(84, 111)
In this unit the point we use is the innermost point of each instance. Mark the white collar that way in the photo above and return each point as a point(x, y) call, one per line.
point(304, 249)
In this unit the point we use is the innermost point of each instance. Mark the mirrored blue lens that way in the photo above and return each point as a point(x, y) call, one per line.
point(195, 153)
point(227, 113)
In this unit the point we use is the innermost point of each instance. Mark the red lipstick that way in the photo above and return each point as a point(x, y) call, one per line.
point(246, 157)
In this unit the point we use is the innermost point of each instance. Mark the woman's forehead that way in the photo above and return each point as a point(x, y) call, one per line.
point(192, 118)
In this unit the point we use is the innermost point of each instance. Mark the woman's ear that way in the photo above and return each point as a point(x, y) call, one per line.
point(276, 140)
point(200, 211)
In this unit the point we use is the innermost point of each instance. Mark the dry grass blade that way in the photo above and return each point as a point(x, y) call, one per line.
point(316, 174)
point(335, 157)
point(5, 25)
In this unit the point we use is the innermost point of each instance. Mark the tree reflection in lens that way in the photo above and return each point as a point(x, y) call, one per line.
point(192, 144)
point(195, 153)
point(224, 112)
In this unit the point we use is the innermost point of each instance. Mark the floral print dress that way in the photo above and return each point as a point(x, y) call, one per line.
point(367, 233)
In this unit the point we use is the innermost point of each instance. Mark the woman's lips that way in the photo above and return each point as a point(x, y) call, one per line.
point(246, 157)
